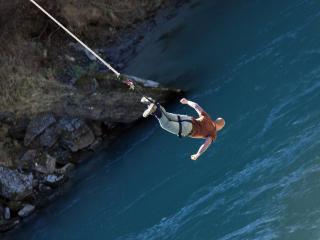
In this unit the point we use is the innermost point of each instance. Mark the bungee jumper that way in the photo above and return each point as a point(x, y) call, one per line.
point(202, 127)
point(182, 125)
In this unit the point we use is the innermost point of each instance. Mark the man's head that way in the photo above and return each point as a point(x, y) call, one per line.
point(219, 123)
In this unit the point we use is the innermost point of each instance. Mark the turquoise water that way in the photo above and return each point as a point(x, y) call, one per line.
point(255, 63)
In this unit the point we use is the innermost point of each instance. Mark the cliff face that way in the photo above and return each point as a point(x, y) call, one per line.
point(55, 102)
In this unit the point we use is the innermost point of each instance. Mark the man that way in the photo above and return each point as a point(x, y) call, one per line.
point(186, 126)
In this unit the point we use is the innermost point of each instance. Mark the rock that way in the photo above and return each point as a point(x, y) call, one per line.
point(65, 170)
point(38, 161)
point(144, 82)
point(8, 153)
point(6, 225)
point(61, 155)
point(7, 213)
point(15, 185)
point(49, 137)
point(47, 165)
point(87, 84)
point(37, 126)
point(54, 180)
point(45, 189)
point(76, 134)
point(26, 210)
point(35, 183)
point(15, 205)
point(7, 117)
point(96, 128)
point(96, 144)
point(18, 129)
point(1, 211)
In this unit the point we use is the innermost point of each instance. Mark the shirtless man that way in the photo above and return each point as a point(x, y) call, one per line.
point(186, 126)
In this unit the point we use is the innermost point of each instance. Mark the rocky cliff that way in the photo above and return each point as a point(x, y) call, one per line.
point(56, 101)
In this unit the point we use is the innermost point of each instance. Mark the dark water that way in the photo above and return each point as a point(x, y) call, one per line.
point(255, 63)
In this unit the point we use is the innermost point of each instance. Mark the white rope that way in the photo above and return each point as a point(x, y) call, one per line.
point(77, 39)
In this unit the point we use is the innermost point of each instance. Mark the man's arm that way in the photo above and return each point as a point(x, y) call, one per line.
point(202, 148)
point(194, 105)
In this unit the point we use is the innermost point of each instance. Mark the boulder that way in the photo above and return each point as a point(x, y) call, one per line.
point(65, 170)
point(7, 117)
point(96, 144)
point(55, 180)
point(15, 205)
point(7, 213)
point(26, 210)
point(6, 225)
point(96, 128)
point(39, 161)
point(7, 154)
point(15, 185)
point(75, 133)
point(49, 137)
point(1, 211)
point(18, 129)
point(61, 155)
point(37, 126)
point(45, 189)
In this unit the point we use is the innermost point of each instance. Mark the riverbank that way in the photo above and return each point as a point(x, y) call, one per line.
point(56, 102)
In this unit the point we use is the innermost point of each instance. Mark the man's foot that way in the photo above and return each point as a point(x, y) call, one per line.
point(151, 109)
point(147, 100)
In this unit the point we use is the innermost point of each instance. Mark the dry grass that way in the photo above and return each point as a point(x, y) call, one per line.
point(24, 86)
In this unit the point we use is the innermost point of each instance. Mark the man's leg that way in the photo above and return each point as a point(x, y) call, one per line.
point(171, 116)
point(170, 122)
point(174, 117)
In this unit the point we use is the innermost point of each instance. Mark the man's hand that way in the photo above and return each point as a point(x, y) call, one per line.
point(184, 101)
point(195, 157)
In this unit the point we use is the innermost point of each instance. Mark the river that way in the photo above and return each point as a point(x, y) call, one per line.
point(255, 63)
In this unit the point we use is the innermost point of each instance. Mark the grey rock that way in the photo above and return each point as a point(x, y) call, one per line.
point(7, 117)
point(18, 129)
point(7, 225)
point(96, 128)
point(54, 180)
point(44, 188)
point(49, 137)
point(75, 133)
point(14, 205)
point(15, 185)
point(37, 126)
point(65, 170)
point(46, 165)
point(26, 210)
point(7, 213)
point(39, 161)
point(1, 212)
point(144, 82)
point(9, 152)
point(96, 144)
point(61, 155)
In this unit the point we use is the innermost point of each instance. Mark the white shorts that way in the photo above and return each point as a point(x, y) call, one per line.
point(180, 125)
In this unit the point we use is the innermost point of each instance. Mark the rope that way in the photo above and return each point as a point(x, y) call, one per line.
point(77, 39)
